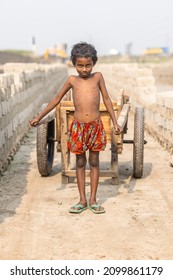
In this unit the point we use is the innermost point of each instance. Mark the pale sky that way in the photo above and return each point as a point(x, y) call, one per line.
point(107, 24)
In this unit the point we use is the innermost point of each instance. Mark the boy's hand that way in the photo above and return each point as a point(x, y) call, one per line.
point(117, 129)
point(34, 122)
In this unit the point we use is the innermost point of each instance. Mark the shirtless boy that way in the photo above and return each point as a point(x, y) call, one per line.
point(86, 131)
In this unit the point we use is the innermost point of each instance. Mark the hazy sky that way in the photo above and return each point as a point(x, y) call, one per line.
point(108, 24)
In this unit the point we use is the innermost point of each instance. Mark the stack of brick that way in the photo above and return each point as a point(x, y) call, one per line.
point(163, 119)
point(139, 84)
point(23, 89)
point(163, 73)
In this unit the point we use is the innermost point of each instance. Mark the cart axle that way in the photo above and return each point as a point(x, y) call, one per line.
point(132, 142)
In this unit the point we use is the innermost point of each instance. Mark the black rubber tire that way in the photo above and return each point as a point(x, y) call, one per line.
point(138, 143)
point(45, 147)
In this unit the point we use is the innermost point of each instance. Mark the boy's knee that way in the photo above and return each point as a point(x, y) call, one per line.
point(94, 162)
point(81, 162)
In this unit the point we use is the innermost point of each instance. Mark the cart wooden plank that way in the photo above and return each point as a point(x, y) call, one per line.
point(103, 173)
point(122, 119)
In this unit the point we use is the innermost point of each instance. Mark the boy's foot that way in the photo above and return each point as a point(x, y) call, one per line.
point(77, 208)
point(96, 208)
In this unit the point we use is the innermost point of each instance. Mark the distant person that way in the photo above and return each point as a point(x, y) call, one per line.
point(86, 131)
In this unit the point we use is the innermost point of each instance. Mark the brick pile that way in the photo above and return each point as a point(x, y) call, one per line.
point(23, 89)
point(139, 83)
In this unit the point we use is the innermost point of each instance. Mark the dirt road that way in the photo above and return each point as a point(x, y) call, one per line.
point(138, 223)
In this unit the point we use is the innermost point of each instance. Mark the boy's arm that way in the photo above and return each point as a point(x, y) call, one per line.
point(53, 103)
point(108, 104)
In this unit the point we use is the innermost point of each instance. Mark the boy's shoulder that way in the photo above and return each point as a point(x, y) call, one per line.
point(72, 78)
point(98, 74)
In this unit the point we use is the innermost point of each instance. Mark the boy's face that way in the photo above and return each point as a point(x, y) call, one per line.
point(84, 66)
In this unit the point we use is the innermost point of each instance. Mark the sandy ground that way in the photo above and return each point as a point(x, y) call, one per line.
point(138, 223)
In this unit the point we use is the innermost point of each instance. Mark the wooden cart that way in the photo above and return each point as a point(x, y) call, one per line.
point(56, 130)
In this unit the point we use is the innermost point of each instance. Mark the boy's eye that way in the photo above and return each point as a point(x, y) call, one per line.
point(87, 66)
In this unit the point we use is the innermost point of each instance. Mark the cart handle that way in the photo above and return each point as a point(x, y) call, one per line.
point(122, 119)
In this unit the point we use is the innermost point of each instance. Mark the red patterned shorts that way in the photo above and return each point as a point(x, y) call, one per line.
point(84, 136)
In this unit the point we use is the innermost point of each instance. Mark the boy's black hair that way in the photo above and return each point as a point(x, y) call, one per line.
point(83, 49)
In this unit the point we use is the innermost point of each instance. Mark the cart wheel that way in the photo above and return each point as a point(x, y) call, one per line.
point(138, 143)
point(45, 147)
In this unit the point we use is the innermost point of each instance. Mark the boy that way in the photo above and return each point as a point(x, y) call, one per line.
point(86, 131)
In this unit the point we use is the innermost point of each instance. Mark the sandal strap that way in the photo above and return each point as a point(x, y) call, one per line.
point(78, 206)
point(95, 205)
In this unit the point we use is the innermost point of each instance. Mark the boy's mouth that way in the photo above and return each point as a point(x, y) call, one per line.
point(84, 74)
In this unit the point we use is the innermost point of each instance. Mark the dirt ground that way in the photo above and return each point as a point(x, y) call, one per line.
point(138, 223)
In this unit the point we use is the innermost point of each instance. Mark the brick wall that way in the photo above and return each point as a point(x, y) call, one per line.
point(23, 89)
point(163, 73)
point(139, 83)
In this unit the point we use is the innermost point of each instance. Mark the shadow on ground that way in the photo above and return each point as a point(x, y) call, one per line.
point(14, 180)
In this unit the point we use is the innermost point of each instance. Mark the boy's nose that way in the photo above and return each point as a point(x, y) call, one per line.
point(84, 68)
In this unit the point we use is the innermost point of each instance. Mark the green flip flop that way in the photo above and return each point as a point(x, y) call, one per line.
point(96, 208)
point(77, 208)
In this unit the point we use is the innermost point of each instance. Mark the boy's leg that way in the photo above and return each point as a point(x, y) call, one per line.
point(94, 177)
point(94, 174)
point(80, 175)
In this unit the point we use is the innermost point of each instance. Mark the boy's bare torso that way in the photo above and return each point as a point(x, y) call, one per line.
point(86, 97)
